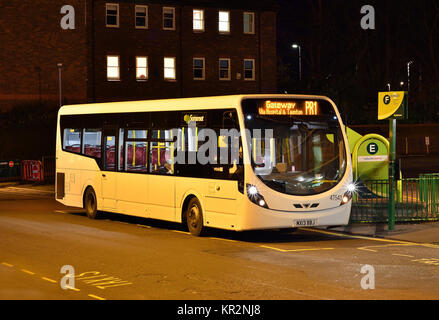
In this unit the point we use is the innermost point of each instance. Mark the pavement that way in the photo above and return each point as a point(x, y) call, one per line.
point(425, 232)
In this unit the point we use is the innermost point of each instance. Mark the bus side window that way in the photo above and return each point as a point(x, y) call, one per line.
point(72, 140)
point(162, 152)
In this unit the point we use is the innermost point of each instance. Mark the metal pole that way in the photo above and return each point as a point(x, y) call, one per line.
point(59, 65)
point(300, 63)
point(408, 75)
point(392, 136)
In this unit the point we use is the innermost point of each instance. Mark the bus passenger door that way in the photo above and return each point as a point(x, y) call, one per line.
point(109, 169)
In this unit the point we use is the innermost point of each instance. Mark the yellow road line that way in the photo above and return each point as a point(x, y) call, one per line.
point(354, 237)
point(144, 226)
point(48, 279)
point(181, 231)
point(223, 239)
point(96, 297)
point(402, 255)
point(367, 248)
point(74, 289)
point(7, 264)
point(296, 250)
point(28, 272)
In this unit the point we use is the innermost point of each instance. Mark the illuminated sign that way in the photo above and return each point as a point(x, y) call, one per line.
point(392, 105)
point(290, 108)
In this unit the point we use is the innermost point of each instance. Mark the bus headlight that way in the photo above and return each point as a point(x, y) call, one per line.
point(255, 197)
point(346, 198)
point(351, 188)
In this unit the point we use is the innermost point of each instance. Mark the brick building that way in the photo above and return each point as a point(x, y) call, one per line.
point(134, 49)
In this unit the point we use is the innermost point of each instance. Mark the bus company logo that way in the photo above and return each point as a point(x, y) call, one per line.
point(191, 118)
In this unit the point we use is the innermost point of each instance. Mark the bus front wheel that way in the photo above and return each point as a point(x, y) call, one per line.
point(194, 217)
point(91, 203)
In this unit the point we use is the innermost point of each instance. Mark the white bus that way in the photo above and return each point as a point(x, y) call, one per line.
point(120, 157)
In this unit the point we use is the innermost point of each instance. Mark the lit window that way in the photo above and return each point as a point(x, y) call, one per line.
point(198, 68)
point(141, 68)
point(72, 140)
point(249, 22)
point(168, 18)
point(224, 21)
point(113, 68)
point(249, 69)
point(198, 21)
point(112, 10)
point(224, 69)
point(169, 68)
point(92, 142)
point(141, 17)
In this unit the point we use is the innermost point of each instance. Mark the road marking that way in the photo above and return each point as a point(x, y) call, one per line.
point(28, 272)
point(229, 240)
point(144, 226)
point(354, 237)
point(367, 248)
point(48, 279)
point(96, 297)
point(72, 288)
point(295, 250)
point(181, 231)
point(429, 261)
point(59, 211)
point(101, 281)
point(402, 255)
point(31, 190)
point(7, 264)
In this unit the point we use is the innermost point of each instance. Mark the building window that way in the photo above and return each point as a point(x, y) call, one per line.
point(168, 18)
point(199, 69)
point(224, 21)
point(141, 68)
point(169, 68)
point(141, 17)
point(224, 69)
point(112, 10)
point(198, 20)
point(249, 22)
point(113, 68)
point(249, 69)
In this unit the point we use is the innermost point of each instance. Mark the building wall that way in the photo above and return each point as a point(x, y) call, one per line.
point(32, 43)
point(184, 44)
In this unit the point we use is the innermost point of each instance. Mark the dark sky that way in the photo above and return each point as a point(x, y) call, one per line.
point(350, 64)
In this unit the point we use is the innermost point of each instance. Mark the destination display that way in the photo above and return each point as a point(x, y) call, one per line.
point(290, 108)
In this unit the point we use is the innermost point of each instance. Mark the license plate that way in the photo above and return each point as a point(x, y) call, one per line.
point(305, 223)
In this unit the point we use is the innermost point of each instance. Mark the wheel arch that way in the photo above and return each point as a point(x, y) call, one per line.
point(185, 202)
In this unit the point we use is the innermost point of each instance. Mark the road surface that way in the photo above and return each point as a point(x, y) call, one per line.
point(120, 257)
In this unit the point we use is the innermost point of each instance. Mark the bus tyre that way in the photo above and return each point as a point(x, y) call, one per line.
point(91, 203)
point(194, 217)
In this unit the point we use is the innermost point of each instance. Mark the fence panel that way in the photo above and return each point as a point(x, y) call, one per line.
point(415, 200)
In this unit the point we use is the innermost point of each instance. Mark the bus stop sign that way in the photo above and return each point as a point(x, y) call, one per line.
point(392, 105)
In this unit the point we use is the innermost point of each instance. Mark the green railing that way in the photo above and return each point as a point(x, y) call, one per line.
point(416, 200)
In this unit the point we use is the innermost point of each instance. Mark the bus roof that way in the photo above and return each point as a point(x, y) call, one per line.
point(217, 102)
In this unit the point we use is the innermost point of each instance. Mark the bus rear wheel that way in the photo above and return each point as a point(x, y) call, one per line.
point(91, 203)
point(194, 217)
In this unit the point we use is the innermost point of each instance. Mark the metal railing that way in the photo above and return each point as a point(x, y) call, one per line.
point(415, 200)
